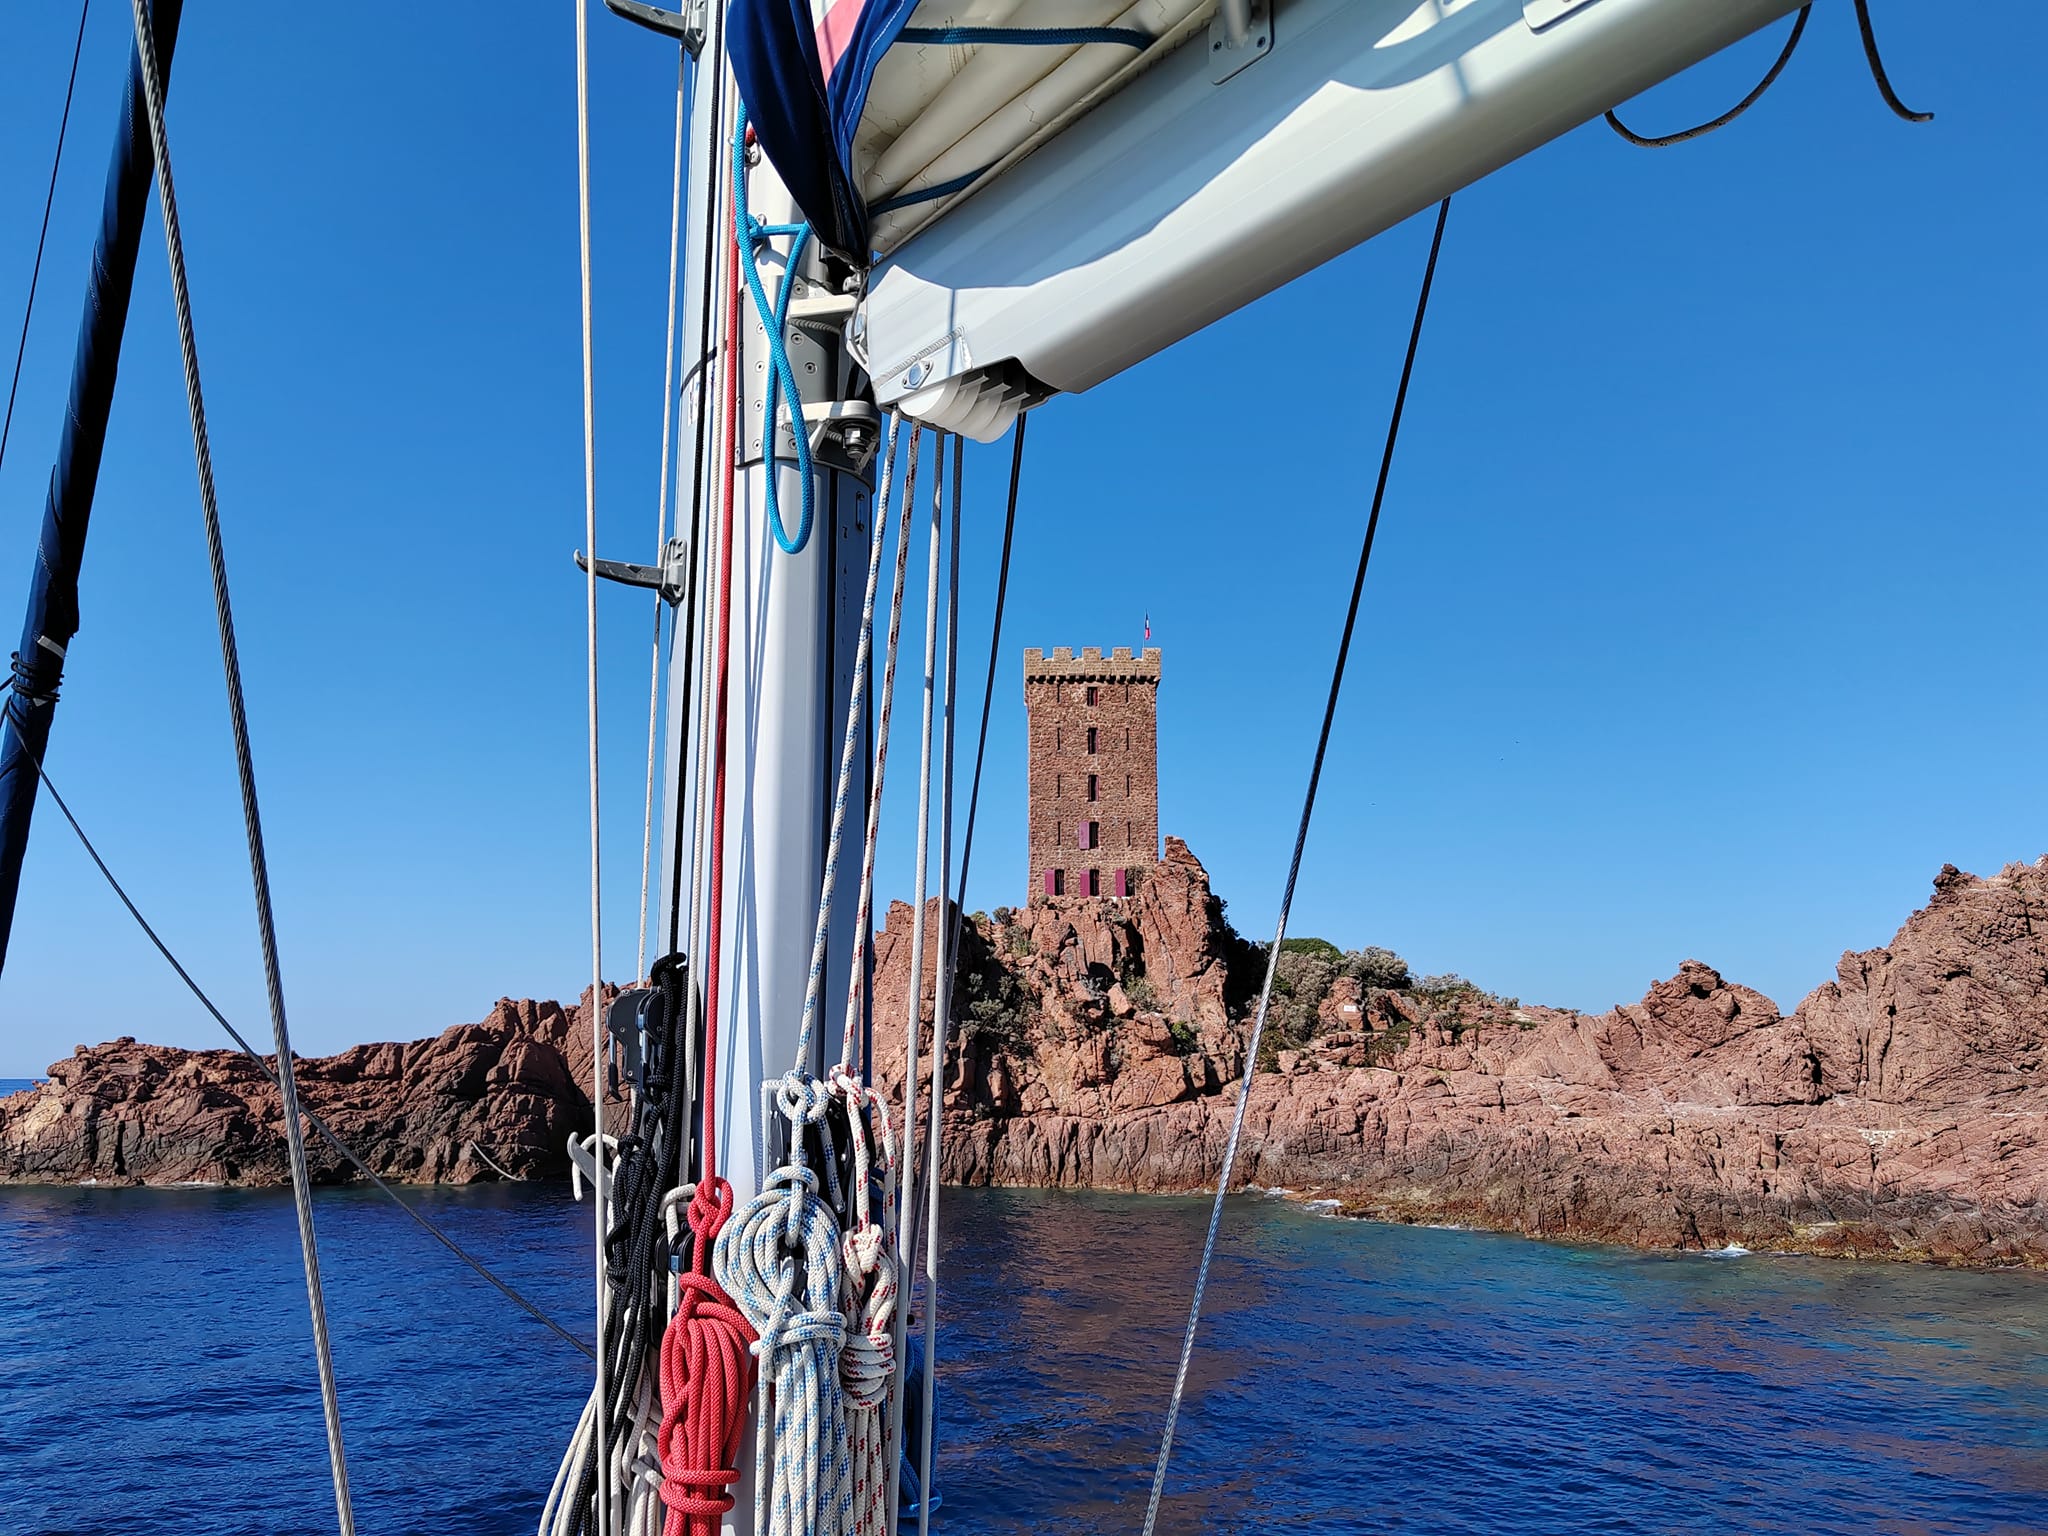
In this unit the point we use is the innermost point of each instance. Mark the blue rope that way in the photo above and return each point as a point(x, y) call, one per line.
point(929, 194)
point(1049, 37)
point(774, 320)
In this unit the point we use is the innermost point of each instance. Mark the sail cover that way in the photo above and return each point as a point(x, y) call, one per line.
point(878, 114)
point(804, 68)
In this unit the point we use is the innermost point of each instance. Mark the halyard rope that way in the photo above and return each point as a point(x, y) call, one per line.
point(780, 1257)
point(252, 818)
point(599, 1201)
point(670, 397)
point(942, 1014)
point(706, 1372)
point(1308, 805)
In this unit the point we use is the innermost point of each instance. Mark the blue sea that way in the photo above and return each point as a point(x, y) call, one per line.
point(155, 1374)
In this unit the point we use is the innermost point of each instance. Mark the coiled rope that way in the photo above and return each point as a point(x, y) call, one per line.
point(707, 1370)
point(1308, 805)
point(780, 1257)
point(245, 770)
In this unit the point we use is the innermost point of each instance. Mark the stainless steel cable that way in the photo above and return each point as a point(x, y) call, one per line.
point(1308, 805)
point(431, 1228)
point(252, 819)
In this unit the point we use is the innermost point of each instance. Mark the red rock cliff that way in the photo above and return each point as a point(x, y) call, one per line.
point(507, 1091)
point(1900, 1110)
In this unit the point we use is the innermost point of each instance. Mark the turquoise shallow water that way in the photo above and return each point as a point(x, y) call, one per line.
point(155, 1374)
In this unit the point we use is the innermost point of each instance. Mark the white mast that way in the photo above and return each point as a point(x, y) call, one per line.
point(794, 622)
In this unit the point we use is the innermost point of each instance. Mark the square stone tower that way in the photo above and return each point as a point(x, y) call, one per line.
point(1094, 770)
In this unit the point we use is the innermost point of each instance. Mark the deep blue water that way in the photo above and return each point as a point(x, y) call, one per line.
point(155, 1374)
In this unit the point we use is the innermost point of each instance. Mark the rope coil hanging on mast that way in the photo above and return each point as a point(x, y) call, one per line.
point(780, 1257)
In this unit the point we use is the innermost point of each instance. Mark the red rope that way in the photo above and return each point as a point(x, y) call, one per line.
point(707, 1362)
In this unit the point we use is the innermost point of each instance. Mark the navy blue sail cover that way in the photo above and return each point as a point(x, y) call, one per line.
point(804, 67)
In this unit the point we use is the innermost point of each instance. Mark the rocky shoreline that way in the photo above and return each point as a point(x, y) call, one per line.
point(1899, 1112)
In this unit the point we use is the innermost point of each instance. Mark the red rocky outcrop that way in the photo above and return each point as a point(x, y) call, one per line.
point(506, 1092)
point(1901, 1110)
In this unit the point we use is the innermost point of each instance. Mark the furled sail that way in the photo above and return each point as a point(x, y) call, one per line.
point(879, 113)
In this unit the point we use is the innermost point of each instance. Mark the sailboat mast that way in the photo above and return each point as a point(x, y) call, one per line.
point(792, 625)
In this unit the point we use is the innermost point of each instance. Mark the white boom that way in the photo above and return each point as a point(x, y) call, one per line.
point(1215, 177)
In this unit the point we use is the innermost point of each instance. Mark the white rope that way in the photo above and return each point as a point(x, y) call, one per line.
point(868, 1299)
point(914, 1006)
point(670, 403)
point(600, 1201)
point(942, 1017)
point(779, 1257)
point(287, 1083)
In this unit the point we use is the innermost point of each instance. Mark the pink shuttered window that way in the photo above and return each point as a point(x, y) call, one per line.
point(1094, 882)
point(1054, 886)
point(1085, 834)
point(1123, 882)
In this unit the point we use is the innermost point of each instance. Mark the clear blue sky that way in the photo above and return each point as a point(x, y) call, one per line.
point(1706, 620)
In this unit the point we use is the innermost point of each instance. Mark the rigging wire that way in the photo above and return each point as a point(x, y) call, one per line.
point(1308, 805)
point(670, 399)
point(252, 819)
point(35, 272)
point(1665, 140)
point(427, 1225)
point(598, 1191)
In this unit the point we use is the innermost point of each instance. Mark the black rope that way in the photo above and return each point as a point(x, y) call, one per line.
point(1664, 140)
point(49, 200)
point(647, 1165)
point(1308, 806)
point(1870, 55)
point(988, 688)
point(1884, 81)
point(314, 1120)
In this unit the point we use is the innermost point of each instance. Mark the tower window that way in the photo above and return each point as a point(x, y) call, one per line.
point(1055, 882)
point(1092, 788)
point(1094, 882)
point(1123, 882)
point(1091, 740)
point(1086, 834)
point(1091, 693)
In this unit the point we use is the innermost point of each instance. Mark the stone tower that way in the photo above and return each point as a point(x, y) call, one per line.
point(1094, 770)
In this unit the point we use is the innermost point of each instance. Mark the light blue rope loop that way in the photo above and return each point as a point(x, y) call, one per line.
point(755, 237)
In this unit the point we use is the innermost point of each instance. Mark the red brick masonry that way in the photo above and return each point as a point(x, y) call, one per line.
point(1094, 770)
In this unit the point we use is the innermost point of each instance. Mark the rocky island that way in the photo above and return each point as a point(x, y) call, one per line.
point(1899, 1111)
